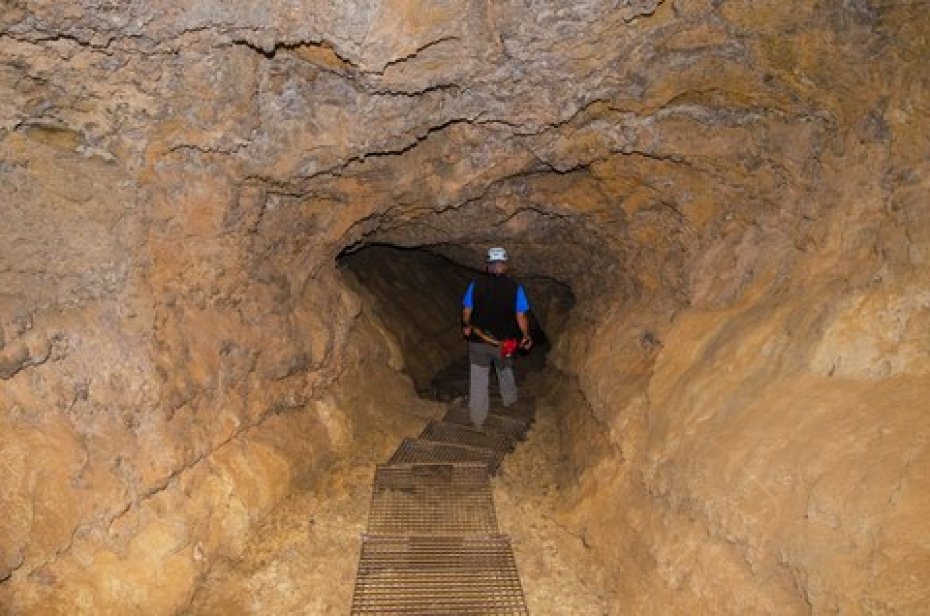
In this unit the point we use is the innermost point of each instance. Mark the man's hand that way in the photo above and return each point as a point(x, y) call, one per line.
point(466, 331)
point(526, 343)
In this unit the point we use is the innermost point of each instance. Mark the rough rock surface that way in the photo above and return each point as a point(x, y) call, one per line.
point(736, 193)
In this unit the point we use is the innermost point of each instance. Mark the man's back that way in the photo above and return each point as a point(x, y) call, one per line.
point(495, 302)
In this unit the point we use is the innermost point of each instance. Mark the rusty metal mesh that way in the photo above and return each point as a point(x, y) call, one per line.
point(503, 424)
point(432, 499)
point(445, 432)
point(413, 450)
point(437, 575)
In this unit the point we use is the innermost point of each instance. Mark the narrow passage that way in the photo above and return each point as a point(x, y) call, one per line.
point(433, 544)
point(304, 557)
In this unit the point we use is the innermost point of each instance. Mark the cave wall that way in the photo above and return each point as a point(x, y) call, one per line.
point(143, 437)
point(418, 297)
point(172, 368)
point(734, 191)
point(761, 442)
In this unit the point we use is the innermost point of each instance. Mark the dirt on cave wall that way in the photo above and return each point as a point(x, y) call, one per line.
point(735, 191)
point(140, 451)
point(764, 448)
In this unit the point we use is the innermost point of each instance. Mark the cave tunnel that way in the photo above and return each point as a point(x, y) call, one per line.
point(235, 240)
point(418, 293)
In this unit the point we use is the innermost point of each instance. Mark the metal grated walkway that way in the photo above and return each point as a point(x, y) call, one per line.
point(433, 545)
point(495, 422)
point(432, 499)
point(414, 450)
point(444, 432)
point(429, 575)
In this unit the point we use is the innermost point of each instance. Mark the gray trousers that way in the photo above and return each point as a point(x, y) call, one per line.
point(481, 356)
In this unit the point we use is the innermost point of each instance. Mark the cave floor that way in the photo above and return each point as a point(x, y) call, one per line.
point(302, 558)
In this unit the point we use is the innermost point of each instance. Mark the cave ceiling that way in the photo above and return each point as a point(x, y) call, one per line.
point(615, 137)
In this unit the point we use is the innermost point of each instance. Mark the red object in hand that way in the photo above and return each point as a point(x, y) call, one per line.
point(509, 347)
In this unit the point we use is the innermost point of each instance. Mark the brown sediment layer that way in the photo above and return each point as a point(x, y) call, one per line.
point(735, 195)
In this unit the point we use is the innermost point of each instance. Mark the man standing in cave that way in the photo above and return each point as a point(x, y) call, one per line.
point(495, 323)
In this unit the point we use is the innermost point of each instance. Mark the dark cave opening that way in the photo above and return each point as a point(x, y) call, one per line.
point(417, 292)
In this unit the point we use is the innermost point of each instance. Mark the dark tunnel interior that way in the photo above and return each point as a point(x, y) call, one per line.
point(418, 292)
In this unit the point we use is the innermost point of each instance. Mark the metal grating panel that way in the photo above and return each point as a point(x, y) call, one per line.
point(432, 499)
point(415, 450)
point(454, 433)
point(503, 424)
point(524, 410)
point(437, 575)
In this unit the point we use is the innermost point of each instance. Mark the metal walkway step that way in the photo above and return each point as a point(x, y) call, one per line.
point(437, 575)
point(524, 410)
point(433, 545)
point(417, 450)
point(446, 432)
point(515, 427)
point(432, 499)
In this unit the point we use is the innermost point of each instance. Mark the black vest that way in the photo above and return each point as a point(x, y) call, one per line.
point(495, 306)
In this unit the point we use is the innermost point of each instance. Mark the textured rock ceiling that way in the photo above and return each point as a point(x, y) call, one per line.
point(736, 192)
point(614, 136)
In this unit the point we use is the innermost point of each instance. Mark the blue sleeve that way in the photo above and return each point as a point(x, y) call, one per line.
point(523, 304)
point(468, 301)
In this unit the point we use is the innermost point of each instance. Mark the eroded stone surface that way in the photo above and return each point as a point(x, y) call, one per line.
point(736, 193)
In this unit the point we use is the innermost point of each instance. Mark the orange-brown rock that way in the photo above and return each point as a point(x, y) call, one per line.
point(735, 192)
